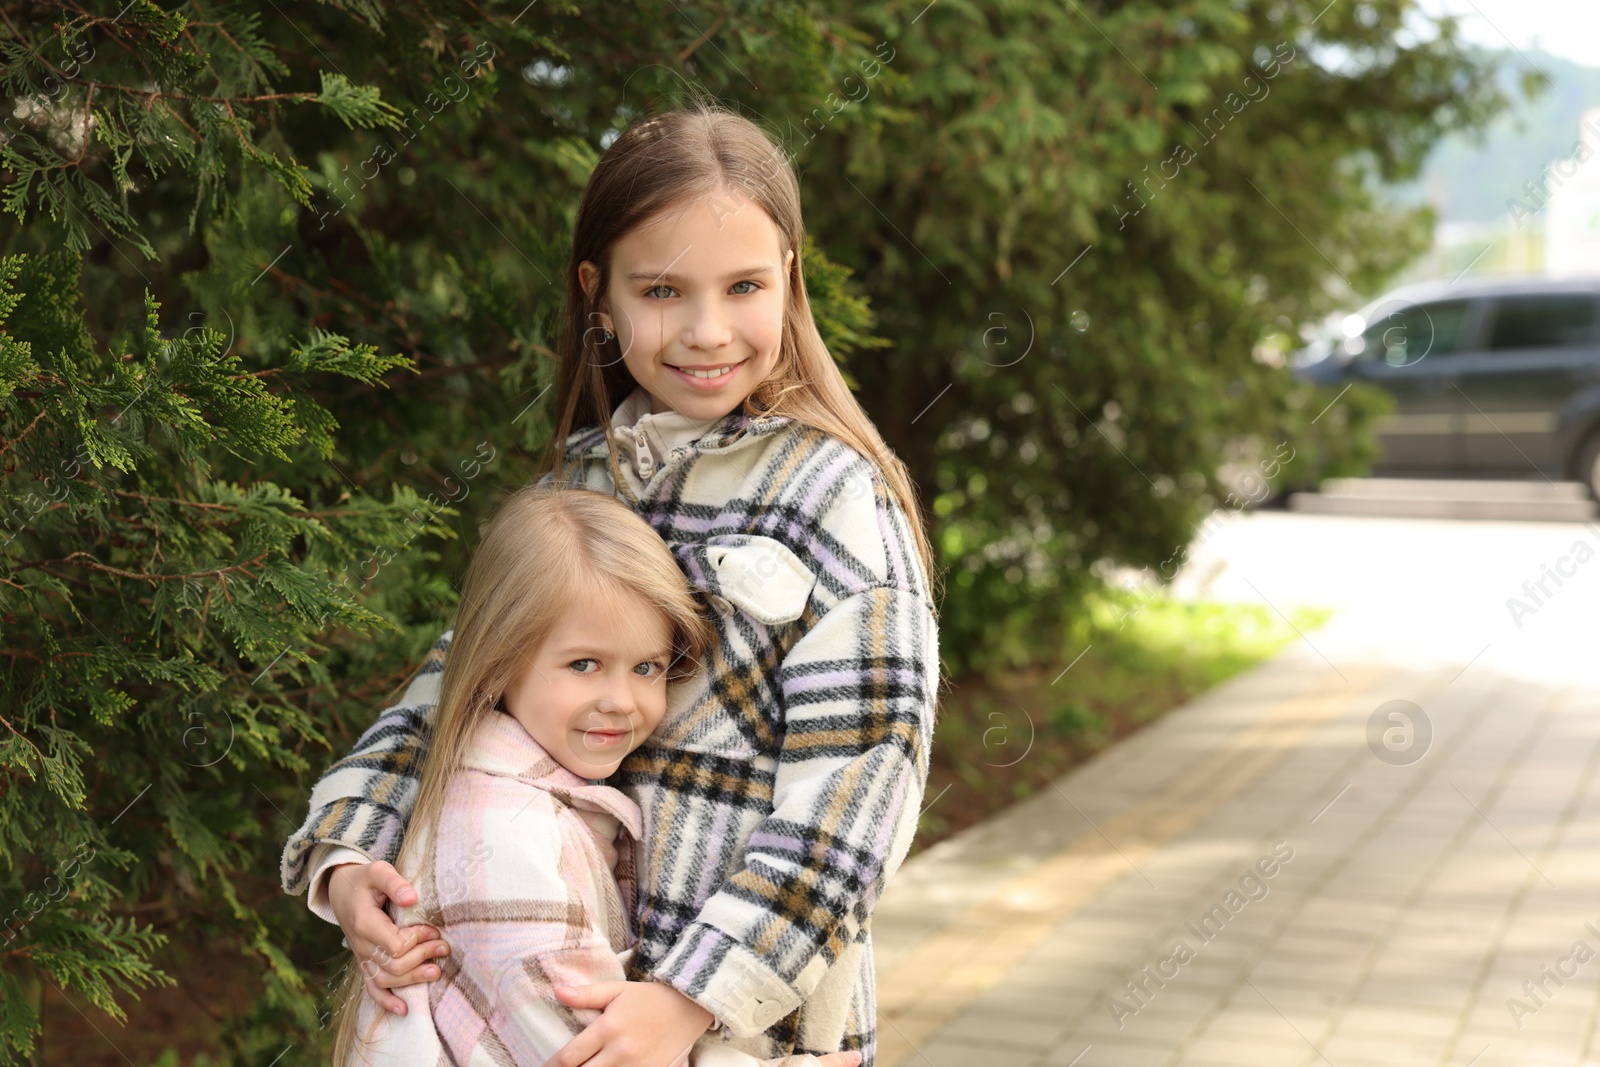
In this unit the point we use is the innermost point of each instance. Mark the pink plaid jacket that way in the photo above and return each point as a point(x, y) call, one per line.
point(529, 879)
point(523, 891)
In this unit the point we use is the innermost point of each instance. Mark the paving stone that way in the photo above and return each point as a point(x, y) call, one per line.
point(1249, 1052)
point(953, 1053)
point(1121, 1052)
point(1003, 1031)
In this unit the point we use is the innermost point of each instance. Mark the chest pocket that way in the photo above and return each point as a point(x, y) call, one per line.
point(756, 575)
point(758, 588)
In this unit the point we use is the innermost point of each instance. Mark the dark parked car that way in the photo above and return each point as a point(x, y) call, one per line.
point(1490, 378)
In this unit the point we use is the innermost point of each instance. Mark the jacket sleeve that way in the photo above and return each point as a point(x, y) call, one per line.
point(858, 692)
point(363, 801)
point(525, 1013)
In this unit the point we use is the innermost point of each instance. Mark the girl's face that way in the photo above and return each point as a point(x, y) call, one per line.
point(696, 299)
point(596, 687)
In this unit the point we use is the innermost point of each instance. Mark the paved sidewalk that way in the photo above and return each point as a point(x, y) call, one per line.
point(1269, 877)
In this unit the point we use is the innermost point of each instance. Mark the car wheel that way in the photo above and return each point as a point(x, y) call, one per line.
point(1589, 464)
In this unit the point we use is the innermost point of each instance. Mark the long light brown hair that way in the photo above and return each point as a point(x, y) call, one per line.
point(661, 162)
point(547, 550)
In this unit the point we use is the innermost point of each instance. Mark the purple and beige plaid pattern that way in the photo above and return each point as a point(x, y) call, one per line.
point(782, 790)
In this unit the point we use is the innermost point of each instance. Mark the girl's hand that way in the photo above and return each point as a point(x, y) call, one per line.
point(387, 955)
point(643, 1024)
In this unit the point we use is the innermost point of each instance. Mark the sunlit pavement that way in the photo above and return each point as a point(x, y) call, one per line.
point(1383, 847)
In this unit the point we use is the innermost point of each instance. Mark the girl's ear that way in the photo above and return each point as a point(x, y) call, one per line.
point(589, 278)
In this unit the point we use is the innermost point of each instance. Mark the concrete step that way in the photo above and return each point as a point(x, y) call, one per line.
point(1420, 498)
point(1528, 491)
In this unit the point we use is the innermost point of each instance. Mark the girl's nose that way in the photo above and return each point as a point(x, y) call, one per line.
point(616, 708)
point(609, 708)
point(708, 329)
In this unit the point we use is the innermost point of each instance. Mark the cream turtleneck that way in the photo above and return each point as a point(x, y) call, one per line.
point(646, 438)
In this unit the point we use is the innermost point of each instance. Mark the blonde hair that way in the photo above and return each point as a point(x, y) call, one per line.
point(545, 549)
point(660, 162)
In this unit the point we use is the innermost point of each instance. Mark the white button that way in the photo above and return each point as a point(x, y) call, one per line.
point(720, 605)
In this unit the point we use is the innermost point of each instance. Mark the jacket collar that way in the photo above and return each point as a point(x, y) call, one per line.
point(732, 431)
point(501, 746)
point(646, 440)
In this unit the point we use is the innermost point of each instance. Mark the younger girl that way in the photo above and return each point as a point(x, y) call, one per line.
point(573, 618)
point(782, 790)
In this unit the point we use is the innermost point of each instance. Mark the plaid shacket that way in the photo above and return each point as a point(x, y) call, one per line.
point(519, 884)
point(782, 790)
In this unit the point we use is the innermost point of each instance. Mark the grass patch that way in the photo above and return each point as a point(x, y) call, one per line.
point(1001, 738)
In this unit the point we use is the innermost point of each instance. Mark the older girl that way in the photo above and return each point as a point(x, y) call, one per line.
point(782, 790)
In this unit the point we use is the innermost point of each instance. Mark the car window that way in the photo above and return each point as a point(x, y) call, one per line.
point(1543, 322)
point(1409, 333)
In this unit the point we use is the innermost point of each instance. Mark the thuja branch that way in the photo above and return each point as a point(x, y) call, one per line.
point(154, 94)
point(89, 561)
point(7, 445)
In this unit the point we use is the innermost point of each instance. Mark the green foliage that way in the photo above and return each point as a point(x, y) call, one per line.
point(1090, 260)
point(1155, 635)
point(156, 611)
point(157, 614)
point(357, 105)
point(281, 291)
point(847, 326)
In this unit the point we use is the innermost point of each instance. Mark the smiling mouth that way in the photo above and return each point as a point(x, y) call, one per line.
point(710, 374)
point(604, 737)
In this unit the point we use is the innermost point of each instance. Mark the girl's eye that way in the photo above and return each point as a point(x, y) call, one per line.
point(649, 668)
point(753, 287)
point(583, 666)
point(667, 289)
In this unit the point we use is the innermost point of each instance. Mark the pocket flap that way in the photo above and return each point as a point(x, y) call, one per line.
point(760, 576)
